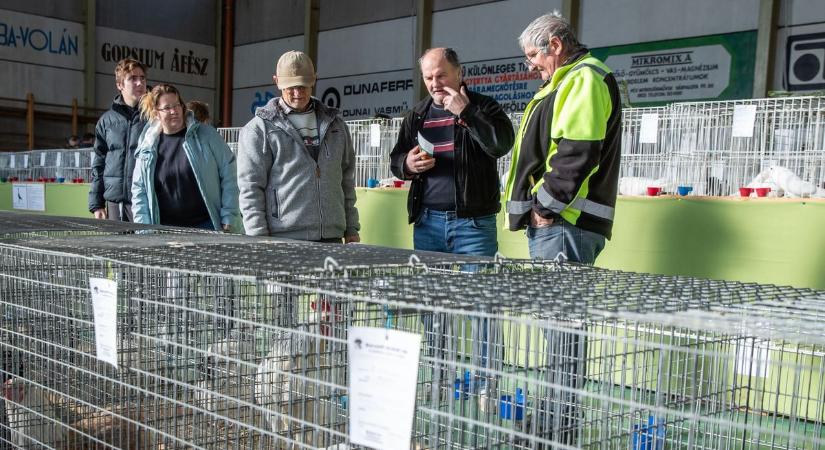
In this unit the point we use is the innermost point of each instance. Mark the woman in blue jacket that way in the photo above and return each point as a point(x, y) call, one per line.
point(185, 174)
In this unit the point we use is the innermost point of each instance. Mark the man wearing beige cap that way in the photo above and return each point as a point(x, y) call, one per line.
point(296, 164)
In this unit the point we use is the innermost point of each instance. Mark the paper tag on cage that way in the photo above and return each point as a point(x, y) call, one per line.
point(42, 159)
point(753, 358)
point(383, 368)
point(744, 117)
point(104, 303)
point(25, 161)
point(12, 162)
point(91, 158)
point(58, 159)
point(375, 135)
point(649, 129)
point(767, 164)
point(77, 159)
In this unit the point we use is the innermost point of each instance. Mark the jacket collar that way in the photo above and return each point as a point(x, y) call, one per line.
point(151, 134)
point(562, 72)
point(273, 112)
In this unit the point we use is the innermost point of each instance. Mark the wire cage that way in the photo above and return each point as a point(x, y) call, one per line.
point(15, 225)
point(373, 140)
point(646, 153)
point(230, 135)
point(200, 330)
point(232, 342)
point(55, 165)
point(783, 149)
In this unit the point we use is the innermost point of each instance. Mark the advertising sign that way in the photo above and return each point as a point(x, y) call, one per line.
point(718, 67)
point(169, 60)
point(41, 40)
point(364, 96)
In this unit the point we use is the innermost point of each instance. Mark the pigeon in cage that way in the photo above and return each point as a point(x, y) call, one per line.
point(282, 386)
point(229, 380)
point(783, 180)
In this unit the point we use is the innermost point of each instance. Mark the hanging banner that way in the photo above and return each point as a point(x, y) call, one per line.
point(718, 67)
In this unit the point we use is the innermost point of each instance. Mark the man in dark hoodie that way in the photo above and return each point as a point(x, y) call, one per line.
point(116, 137)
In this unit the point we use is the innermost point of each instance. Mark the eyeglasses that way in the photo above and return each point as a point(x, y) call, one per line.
point(168, 108)
point(529, 58)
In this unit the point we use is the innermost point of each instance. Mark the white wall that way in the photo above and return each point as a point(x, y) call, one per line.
point(608, 23)
point(41, 55)
point(488, 31)
point(364, 49)
point(252, 75)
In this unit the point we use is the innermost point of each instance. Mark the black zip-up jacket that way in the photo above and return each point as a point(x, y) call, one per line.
point(116, 138)
point(482, 134)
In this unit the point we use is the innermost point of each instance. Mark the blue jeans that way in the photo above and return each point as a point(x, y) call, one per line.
point(562, 238)
point(444, 231)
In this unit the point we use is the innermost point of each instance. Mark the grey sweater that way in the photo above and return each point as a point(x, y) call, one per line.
point(284, 192)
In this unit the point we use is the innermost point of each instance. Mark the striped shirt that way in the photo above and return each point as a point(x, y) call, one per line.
point(307, 125)
point(439, 182)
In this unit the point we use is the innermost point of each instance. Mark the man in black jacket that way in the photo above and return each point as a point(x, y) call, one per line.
point(116, 138)
point(448, 146)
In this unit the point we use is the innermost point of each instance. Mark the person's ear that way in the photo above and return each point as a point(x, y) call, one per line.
point(275, 79)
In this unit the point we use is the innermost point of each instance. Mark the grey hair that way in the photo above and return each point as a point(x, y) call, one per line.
point(540, 30)
point(448, 53)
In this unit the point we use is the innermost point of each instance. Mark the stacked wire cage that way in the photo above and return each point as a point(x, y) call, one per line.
point(783, 147)
point(646, 153)
point(55, 165)
point(231, 135)
point(211, 353)
point(373, 140)
point(232, 342)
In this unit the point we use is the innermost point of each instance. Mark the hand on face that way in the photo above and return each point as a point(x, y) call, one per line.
point(456, 101)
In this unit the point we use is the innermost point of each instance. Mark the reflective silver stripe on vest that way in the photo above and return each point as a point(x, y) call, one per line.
point(582, 204)
point(597, 69)
point(517, 207)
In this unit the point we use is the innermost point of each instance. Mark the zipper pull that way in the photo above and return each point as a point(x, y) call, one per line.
point(317, 171)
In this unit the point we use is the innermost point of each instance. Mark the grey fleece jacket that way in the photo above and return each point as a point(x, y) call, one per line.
point(284, 192)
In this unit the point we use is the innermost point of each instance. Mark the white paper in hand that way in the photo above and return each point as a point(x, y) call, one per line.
point(425, 145)
point(383, 367)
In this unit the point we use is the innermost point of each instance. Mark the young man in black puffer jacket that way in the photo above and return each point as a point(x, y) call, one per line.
point(116, 138)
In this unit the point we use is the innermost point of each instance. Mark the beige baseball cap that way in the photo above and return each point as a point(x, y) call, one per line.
point(295, 69)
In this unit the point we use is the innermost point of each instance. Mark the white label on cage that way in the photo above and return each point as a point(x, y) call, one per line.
point(753, 358)
point(12, 162)
point(104, 303)
point(744, 116)
point(25, 161)
point(767, 164)
point(649, 129)
point(383, 367)
point(77, 159)
point(91, 158)
point(58, 160)
point(717, 169)
point(28, 196)
point(375, 135)
point(43, 159)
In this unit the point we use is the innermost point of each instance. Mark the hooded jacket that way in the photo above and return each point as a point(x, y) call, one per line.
point(482, 134)
point(116, 138)
point(212, 163)
point(284, 191)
